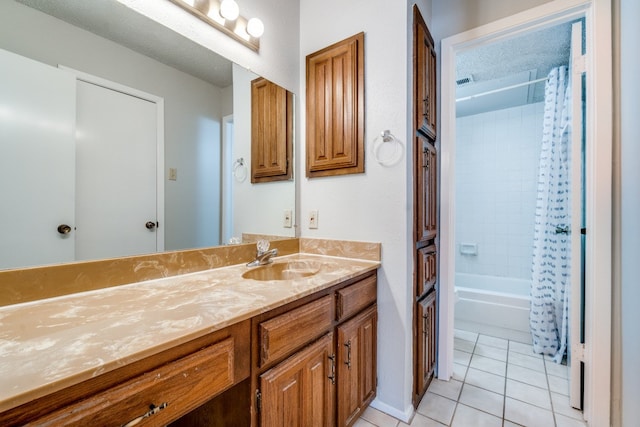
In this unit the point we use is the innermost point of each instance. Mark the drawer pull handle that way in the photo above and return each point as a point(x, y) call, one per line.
point(332, 377)
point(348, 362)
point(153, 409)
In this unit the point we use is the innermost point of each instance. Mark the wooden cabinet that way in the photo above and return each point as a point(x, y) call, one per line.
point(271, 131)
point(426, 179)
point(424, 62)
point(299, 392)
point(356, 360)
point(154, 391)
point(291, 366)
point(426, 348)
point(328, 377)
point(335, 109)
point(426, 206)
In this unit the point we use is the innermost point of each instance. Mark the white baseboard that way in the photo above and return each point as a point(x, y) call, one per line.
point(404, 416)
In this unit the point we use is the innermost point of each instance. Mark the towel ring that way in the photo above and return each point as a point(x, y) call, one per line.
point(239, 170)
point(387, 149)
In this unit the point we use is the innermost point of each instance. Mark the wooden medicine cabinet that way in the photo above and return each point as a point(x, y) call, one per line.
point(335, 109)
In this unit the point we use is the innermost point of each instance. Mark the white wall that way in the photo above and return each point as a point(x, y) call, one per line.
point(455, 16)
point(497, 156)
point(257, 208)
point(192, 111)
point(630, 210)
point(376, 205)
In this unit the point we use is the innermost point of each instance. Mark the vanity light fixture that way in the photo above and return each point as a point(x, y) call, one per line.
point(224, 15)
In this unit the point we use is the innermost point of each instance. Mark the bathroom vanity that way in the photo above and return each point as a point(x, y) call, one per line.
point(206, 348)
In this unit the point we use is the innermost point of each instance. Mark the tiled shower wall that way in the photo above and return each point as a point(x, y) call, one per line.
point(497, 157)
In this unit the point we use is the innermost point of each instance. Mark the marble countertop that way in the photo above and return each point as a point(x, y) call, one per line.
point(54, 343)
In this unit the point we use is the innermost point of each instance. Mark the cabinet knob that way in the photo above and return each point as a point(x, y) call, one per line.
point(150, 225)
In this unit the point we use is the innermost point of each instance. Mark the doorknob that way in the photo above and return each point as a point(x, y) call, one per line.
point(150, 225)
point(64, 229)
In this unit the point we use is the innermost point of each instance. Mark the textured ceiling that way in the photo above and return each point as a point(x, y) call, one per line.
point(535, 52)
point(116, 22)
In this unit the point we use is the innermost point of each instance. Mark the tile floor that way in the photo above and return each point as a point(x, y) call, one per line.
point(496, 382)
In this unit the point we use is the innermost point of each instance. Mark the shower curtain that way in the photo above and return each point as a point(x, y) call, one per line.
point(549, 316)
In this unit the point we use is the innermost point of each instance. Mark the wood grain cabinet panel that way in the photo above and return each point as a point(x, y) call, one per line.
point(427, 274)
point(299, 392)
point(424, 62)
point(426, 326)
point(356, 353)
point(354, 298)
point(289, 331)
point(335, 109)
point(426, 190)
point(173, 390)
point(271, 131)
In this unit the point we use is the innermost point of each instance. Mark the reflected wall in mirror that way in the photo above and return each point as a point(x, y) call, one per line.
point(207, 126)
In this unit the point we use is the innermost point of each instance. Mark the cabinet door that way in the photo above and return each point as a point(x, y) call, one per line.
point(299, 392)
point(356, 354)
point(427, 264)
point(426, 190)
point(425, 78)
point(426, 319)
point(335, 109)
point(271, 131)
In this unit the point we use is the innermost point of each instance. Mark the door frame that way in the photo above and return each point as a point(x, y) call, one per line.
point(597, 357)
point(226, 171)
point(159, 102)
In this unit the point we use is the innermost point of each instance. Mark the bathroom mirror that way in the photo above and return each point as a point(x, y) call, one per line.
point(207, 119)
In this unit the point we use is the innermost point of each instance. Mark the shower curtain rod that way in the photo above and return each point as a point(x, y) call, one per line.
point(489, 92)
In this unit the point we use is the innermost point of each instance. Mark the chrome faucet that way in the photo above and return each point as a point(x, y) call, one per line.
point(263, 254)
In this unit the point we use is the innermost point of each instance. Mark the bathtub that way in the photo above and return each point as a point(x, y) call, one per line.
point(494, 301)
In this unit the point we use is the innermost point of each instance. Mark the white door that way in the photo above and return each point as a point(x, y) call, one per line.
point(37, 162)
point(116, 173)
point(576, 359)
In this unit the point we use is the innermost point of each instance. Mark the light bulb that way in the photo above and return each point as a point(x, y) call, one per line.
point(255, 27)
point(229, 10)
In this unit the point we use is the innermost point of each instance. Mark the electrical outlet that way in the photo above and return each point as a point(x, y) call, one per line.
point(173, 174)
point(287, 219)
point(313, 219)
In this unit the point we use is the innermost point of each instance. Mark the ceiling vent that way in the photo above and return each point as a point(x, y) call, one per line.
point(464, 80)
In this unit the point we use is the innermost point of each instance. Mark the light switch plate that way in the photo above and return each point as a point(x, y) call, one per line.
point(173, 174)
point(313, 219)
point(287, 219)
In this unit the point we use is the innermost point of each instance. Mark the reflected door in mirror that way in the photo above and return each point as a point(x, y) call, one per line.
point(116, 173)
point(37, 162)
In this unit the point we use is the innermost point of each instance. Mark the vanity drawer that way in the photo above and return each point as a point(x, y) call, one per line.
point(174, 389)
point(283, 334)
point(354, 298)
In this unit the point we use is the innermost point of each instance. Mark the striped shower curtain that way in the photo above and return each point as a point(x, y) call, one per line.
point(549, 317)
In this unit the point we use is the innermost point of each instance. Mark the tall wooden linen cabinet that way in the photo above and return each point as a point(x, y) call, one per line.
point(425, 206)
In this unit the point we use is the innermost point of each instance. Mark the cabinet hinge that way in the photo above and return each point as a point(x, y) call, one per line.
point(258, 400)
